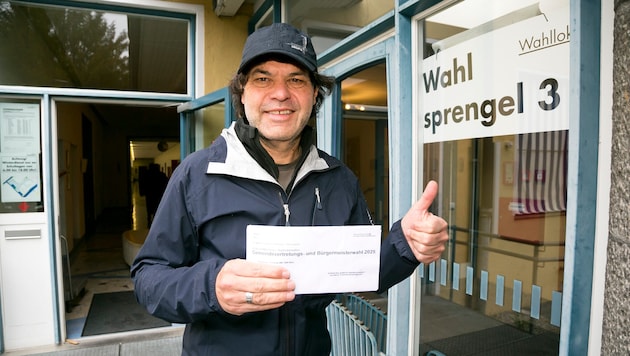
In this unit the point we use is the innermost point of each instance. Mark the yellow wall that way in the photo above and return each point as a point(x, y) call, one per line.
point(165, 159)
point(224, 39)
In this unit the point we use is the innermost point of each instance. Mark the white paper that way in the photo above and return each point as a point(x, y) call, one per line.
point(321, 259)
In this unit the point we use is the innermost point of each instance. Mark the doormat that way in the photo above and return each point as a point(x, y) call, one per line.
point(118, 312)
point(498, 340)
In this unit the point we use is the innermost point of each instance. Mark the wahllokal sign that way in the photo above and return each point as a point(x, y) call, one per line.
point(509, 81)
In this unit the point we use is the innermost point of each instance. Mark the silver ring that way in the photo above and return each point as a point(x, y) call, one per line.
point(249, 298)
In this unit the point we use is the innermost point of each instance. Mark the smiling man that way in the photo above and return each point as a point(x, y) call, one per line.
point(263, 170)
point(278, 99)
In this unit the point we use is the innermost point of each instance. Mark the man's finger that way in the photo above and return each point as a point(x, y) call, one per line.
point(430, 192)
point(251, 269)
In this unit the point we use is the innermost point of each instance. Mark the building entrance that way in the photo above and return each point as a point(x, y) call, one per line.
point(103, 152)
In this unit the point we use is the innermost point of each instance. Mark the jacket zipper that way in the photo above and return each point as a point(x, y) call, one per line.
point(318, 205)
point(285, 311)
point(287, 212)
point(285, 206)
point(289, 348)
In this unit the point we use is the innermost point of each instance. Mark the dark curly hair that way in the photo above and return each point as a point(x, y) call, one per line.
point(323, 83)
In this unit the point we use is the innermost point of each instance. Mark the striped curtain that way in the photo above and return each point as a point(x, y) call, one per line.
point(541, 169)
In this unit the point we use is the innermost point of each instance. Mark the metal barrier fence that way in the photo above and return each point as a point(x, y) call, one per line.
point(350, 337)
point(374, 318)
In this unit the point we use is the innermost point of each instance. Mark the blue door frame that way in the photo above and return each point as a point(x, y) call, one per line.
point(186, 109)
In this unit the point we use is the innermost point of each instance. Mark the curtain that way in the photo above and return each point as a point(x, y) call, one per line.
point(541, 169)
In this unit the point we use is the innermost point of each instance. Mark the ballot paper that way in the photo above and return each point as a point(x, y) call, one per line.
point(321, 259)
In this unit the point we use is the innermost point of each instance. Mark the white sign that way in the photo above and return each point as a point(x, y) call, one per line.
point(19, 128)
point(20, 178)
point(19, 152)
point(508, 81)
point(321, 259)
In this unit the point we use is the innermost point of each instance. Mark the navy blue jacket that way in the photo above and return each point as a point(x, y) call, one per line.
point(200, 224)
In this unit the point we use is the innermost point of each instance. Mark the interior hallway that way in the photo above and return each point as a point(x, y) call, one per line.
point(98, 262)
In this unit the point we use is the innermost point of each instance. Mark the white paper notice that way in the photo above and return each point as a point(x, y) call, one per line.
point(321, 259)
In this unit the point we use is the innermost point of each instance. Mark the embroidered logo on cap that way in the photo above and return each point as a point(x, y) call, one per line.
point(301, 48)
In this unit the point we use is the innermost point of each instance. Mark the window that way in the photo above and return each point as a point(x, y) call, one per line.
point(60, 46)
point(493, 95)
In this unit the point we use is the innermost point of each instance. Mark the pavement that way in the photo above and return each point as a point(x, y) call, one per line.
point(163, 342)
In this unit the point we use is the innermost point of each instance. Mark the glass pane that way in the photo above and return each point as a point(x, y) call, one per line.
point(498, 287)
point(81, 48)
point(266, 19)
point(366, 155)
point(501, 278)
point(20, 155)
point(329, 21)
point(365, 150)
point(206, 125)
point(365, 137)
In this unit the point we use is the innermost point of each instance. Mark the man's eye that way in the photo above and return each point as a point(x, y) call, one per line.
point(296, 83)
point(261, 82)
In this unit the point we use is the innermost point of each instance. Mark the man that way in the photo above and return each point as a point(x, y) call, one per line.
point(263, 170)
point(155, 182)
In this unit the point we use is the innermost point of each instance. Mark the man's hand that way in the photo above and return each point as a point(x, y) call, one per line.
point(425, 232)
point(243, 287)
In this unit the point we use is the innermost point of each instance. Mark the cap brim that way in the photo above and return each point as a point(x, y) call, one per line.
point(296, 59)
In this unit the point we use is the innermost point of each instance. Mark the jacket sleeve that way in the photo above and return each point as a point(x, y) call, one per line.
point(168, 277)
point(397, 260)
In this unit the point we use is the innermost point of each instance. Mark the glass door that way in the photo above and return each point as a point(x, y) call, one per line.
point(365, 136)
point(493, 115)
point(203, 119)
point(500, 280)
point(355, 127)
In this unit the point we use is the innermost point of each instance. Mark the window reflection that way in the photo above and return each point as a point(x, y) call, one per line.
point(206, 125)
point(501, 276)
point(82, 48)
point(365, 144)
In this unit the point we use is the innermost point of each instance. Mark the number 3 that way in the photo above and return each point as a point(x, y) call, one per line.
point(553, 94)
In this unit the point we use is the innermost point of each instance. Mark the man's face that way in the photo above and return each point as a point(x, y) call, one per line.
point(278, 99)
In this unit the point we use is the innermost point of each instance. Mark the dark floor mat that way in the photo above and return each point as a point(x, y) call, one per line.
point(502, 340)
point(118, 312)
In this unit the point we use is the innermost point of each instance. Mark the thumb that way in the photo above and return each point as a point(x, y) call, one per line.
point(430, 192)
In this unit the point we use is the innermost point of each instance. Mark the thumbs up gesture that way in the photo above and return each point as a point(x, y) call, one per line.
point(425, 232)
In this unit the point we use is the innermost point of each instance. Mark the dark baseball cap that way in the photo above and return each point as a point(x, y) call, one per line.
point(280, 39)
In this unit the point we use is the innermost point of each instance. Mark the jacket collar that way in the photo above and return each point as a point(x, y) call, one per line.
point(249, 137)
point(238, 162)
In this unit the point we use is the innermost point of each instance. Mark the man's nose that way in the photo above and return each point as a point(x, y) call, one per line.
point(280, 90)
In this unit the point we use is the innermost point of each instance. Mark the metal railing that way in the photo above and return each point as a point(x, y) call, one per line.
point(536, 246)
point(350, 337)
point(374, 318)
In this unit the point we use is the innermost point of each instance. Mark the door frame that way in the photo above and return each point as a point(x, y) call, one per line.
point(403, 309)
